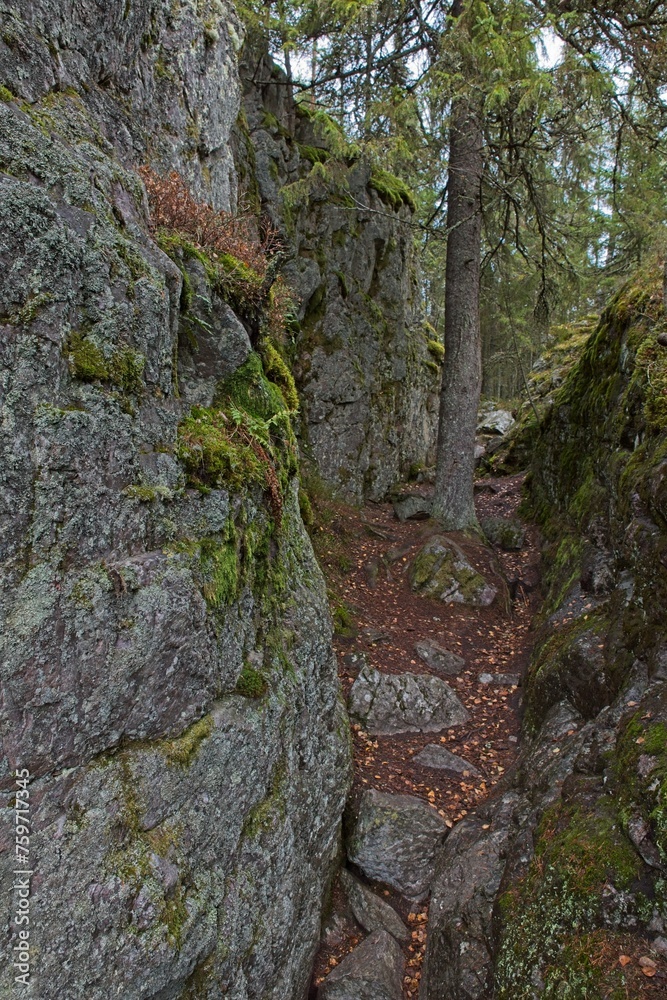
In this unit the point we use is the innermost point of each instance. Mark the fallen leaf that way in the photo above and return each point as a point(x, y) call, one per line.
point(648, 966)
point(624, 960)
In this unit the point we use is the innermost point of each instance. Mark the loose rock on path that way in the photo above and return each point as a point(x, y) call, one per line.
point(366, 556)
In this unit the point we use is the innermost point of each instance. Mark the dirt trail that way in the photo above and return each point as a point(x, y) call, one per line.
point(389, 619)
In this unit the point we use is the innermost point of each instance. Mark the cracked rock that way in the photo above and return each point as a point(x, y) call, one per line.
point(369, 910)
point(373, 971)
point(394, 839)
point(404, 703)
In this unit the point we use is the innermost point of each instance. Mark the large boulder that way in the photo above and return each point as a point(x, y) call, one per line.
point(468, 873)
point(404, 703)
point(373, 971)
point(495, 422)
point(394, 839)
point(442, 571)
point(412, 507)
point(372, 912)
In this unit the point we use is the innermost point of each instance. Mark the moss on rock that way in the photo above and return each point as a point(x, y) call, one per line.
point(549, 918)
point(392, 190)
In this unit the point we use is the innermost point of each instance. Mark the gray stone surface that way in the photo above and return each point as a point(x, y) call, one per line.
point(212, 340)
point(442, 660)
point(184, 835)
point(157, 81)
point(500, 680)
point(474, 860)
point(495, 422)
point(370, 910)
point(505, 532)
point(394, 838)
point(404, 703)
point(368, 384)
point(412, 507)
point(459, 961)
point(437, 756)
point(373, 971)
point(441, 570)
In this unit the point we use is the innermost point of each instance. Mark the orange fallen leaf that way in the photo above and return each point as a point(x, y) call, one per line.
point(647, 966)
point(624, 960)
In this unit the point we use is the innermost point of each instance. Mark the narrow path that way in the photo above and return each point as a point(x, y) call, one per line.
point(388, 619)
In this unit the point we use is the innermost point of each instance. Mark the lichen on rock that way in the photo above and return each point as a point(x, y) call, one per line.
point(167, 663)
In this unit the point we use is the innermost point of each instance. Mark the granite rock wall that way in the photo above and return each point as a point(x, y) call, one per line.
point(166, 668)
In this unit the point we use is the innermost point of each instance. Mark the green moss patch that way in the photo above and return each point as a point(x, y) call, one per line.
point(640, 768)
point(184, 750)
point(251, 684)
point(121, 367)
point(343, 620)
point(219, 567)
point(237, 283)
point(277, 371)
point(392, 190)
point(271, 811)
point(213, 454)
point(436, 350)
point(550, 917)
point(248, 388)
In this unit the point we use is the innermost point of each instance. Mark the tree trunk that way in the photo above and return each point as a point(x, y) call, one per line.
point(462, 371)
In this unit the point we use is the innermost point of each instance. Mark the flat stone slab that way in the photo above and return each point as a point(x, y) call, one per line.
point(439, 757)
point(441, 570)
point(404, 703)
point(499, 680)
point(374, 635)
point(370, 910)
point(394, 840)
point(438, 658)
point(373, 971)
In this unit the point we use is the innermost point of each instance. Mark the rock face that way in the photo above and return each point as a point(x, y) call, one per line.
point(147, 76)
point(393, 839)
point(441, 570)
point(571, 848)
point(373, 971)
point(167, 670)
point(370, 910)
point(368, 382)
point(404, 703)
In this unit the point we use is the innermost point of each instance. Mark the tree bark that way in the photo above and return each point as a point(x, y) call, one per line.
point(453, 502)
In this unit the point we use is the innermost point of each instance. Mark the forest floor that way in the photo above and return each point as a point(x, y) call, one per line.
point(365, 553)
